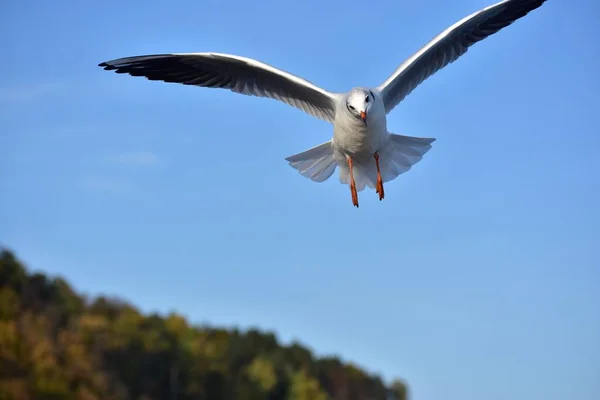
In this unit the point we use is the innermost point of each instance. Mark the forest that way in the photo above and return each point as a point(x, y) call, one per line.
point(57, 344)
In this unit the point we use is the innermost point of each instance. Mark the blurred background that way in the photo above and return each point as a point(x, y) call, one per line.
point(476, 278)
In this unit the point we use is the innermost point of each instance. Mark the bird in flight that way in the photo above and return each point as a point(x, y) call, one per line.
point(361, 145)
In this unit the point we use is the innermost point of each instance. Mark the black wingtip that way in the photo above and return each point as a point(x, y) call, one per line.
point(106, 66)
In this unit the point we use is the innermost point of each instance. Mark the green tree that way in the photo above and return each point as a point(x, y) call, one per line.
point(305, 387)
point(56, 344)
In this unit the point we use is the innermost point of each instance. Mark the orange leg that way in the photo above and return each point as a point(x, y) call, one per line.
point(379, 180)
point(352, 183)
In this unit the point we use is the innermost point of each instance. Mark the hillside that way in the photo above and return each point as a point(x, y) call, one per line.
point(56, 344)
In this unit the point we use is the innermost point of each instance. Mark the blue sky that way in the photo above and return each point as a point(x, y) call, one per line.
point(476, 278)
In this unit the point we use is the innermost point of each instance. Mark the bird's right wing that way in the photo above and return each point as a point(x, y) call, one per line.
point(449, 45)
point(238, 74)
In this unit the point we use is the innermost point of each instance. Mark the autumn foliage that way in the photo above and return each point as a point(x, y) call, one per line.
point(56, 344)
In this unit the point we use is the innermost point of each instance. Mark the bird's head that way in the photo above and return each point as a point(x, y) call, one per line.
point(359, 102)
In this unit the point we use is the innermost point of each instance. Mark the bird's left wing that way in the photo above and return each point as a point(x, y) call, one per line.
point(449, 45)
point(238, 74)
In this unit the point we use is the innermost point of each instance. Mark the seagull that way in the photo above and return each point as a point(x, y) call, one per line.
point(361, 145)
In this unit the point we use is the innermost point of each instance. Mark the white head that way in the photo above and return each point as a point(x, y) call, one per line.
point(359, 102)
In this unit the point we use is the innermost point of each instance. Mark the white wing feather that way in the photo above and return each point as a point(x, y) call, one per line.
point(449, 45)
point(238, 74)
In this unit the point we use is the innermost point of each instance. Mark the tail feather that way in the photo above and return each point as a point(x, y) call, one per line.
point(402, 154)
point(395, 158)
point(316, 164)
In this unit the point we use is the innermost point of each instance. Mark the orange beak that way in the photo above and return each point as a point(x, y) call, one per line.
point(363, 116)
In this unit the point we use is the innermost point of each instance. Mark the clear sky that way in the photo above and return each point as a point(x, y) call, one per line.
point(478, 276)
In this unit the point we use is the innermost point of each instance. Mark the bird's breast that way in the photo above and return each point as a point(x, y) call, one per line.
point(357, 140)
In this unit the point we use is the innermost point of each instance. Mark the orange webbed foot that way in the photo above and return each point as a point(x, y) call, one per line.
point(379, 188)
point(352, 183)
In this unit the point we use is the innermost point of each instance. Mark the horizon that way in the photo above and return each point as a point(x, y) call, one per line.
point(478, 268)
point(91, 297)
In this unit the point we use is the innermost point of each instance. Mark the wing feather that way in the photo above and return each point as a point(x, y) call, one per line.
point(238, 74)
point(451, 44)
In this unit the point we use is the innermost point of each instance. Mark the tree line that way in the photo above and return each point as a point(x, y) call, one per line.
point(57, 344)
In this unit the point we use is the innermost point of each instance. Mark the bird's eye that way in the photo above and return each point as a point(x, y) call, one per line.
point(367, 99)
point(351, 107)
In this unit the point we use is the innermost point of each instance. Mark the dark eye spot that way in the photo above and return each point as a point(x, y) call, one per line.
point(350, 107)
point(367, 99)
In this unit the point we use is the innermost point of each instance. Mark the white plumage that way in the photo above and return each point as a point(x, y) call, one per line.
point(362, 147)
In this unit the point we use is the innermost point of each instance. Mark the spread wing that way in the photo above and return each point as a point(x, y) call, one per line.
point(449, 45)
point(238, 74)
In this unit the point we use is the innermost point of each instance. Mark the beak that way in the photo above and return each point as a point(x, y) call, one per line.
point(363, 116)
